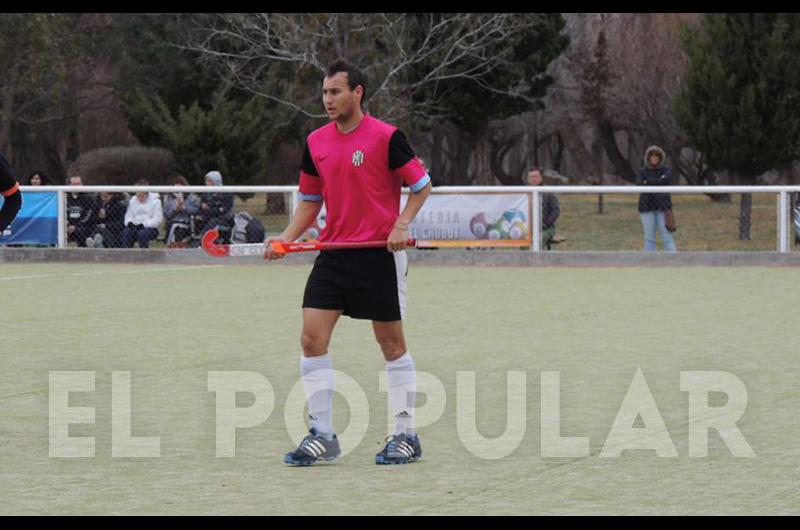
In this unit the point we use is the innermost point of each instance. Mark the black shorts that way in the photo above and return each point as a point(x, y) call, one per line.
point(367, 283)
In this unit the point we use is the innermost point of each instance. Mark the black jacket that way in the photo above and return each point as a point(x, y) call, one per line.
point(80, 208)
point(654, 176)
point(115, 216)
point(220, 204)
point(550, 210)
point(652, 202)
point(7, 178)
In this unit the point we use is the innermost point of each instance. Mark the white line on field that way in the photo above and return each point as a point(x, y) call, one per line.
point(99, 273)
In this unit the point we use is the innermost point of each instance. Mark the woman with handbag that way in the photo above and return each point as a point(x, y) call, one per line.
point(655, 209)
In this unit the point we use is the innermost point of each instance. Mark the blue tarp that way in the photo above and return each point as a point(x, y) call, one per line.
point(37, 221)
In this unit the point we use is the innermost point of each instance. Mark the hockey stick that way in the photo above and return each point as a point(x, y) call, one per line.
point(281, 247)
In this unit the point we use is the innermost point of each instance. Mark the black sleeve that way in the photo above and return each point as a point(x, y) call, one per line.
point(7, 178)
point(551, 210)
point(400, 151)
point(11, 206)
point(308, 163)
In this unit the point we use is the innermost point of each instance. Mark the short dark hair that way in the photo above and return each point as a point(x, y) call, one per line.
point(355, 76)
point(179, 180)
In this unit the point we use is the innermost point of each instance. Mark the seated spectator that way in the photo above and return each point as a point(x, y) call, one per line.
point(142, 219)
point(37, 178)
point(109, 222)
point(80, 210)
point(550, 209)
point(216, 209)
point(178, 212)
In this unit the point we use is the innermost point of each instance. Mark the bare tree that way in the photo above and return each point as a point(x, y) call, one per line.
point(619, 79)
point(424, 69)
point(407, 57)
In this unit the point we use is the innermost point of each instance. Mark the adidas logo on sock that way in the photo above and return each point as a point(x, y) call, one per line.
point(403, 414)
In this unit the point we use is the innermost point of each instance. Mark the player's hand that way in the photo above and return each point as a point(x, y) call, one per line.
point(270, 254)
point(398, 240)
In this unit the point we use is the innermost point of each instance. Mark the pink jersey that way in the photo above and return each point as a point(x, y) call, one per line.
point(359, 176)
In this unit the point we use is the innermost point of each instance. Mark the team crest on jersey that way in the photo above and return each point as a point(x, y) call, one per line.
point(358, 157)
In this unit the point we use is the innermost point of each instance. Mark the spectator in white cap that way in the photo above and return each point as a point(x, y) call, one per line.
point(213, 178)
point(216, 209)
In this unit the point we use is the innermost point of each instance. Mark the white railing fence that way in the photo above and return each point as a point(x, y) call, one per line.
point(782, 194)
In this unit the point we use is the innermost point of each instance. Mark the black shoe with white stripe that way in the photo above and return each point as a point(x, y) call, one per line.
point(312, 449)
point(400, 449)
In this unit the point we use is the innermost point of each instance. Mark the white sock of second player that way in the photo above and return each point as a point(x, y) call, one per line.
point(402, 379)
point(318, 384)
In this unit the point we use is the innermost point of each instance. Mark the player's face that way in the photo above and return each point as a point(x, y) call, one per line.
point(339, 101)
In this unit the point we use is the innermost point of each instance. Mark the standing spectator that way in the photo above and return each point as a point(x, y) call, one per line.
point(179, 209)
point(109, 222)
point(551, 208)
point(80, 211)
point(653, 206)
point(38, 178)
point(216, 209)
point(142, 219)
point(797, 218)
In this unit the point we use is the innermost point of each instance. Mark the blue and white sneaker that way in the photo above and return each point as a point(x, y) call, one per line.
point(312, 449)
point(400, 449)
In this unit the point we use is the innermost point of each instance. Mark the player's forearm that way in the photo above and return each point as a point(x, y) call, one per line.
point(415, 202)
point(304, 217)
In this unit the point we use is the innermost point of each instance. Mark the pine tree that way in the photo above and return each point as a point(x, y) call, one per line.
point(741, 101)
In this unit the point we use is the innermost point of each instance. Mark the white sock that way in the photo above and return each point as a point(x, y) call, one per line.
point(402, 378)
point(318, 383)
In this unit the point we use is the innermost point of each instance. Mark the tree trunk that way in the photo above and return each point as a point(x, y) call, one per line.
point(557, 154)
point(533, 141)
point(745, 209)
point(609, 142)
point(436, 170)
point(483, 159)
point(459, 164)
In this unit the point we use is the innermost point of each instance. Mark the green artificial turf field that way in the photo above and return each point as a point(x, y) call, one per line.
point(171, 326)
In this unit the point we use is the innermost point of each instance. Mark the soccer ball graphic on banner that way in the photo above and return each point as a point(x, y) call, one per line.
point(510, 225)
point(514, 225)
point(481, 224)
point(312, 234)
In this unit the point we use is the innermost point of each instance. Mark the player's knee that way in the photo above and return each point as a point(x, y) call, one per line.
point(312, 344)
point(392, 346)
